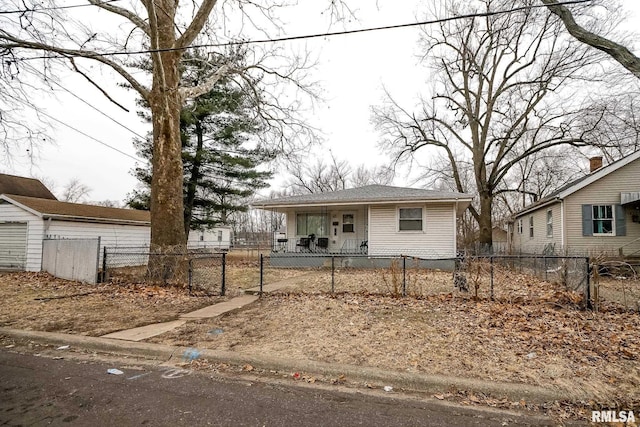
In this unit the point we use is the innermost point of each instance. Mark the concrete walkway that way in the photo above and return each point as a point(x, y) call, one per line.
point(144, 332)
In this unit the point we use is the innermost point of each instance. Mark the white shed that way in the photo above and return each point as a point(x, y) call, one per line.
point(26, 221)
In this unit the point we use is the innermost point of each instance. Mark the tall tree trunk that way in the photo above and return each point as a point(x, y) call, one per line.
point(485, 221)
point(165, 102)
point(194, 179)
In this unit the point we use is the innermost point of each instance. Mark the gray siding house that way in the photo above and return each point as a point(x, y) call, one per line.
point(596, 214)
point(372, 220)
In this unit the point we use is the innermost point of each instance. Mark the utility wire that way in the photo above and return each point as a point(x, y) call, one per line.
point(91, 137)
point(312, 36)
point(35, 70)
point(43, 9)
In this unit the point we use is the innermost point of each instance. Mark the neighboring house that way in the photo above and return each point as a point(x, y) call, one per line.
point(20, 186)
point(596, 214)
point(217, 238)
point(372, 220)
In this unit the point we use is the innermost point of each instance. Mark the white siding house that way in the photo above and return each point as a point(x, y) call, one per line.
point(596, 214)
point(371, 220)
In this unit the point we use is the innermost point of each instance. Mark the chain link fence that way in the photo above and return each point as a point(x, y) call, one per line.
point(507, 278)
point(199, 271)
point(513, 278)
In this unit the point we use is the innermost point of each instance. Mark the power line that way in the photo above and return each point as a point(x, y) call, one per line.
point(43, 9)
point(87, 103)
point(316, 35)
point(90, 137)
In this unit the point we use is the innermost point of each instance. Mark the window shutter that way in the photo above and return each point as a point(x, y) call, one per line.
point(621, 225)
point(587, 220)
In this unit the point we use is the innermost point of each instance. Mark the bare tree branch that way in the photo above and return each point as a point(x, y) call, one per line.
point(617, 51)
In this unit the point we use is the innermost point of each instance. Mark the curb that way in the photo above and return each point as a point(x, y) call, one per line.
point(399, 380)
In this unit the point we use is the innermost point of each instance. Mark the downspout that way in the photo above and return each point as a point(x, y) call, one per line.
point(562, 237)
point(455, 228)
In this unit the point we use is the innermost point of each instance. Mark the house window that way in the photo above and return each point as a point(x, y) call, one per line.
point(549, 223)
point(602, 219)
point(219, 235)
point(410, 219)
point(307, 224)
point(348, 223)
point(531, 227)
point(520, 226)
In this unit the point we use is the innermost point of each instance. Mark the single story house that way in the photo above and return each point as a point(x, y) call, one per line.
point(596, 214)
point(371, 220)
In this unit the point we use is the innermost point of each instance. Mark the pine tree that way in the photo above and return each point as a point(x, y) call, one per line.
point(221, 155)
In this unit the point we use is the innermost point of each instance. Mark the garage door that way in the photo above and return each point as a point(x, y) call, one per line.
point(13, 245)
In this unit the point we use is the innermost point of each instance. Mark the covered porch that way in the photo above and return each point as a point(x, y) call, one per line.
point(324, 230)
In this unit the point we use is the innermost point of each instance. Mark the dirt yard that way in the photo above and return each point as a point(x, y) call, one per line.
point(534, 332)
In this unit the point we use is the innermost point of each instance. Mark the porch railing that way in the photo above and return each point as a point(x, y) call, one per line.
point(318, 245)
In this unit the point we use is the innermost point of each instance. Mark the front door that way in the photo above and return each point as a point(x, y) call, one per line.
point(347, 239)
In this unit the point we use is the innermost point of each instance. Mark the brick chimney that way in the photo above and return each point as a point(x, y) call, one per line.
point(595, 163)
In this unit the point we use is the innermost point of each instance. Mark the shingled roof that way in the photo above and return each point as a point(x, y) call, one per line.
point(370, 194)
point(55, 209)
point(21, 186)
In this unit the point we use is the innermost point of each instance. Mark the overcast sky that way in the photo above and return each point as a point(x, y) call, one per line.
point(352, 70)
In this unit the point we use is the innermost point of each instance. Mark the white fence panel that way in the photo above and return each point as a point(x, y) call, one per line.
point(72, 259)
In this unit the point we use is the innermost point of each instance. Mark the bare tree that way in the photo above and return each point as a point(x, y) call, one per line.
point(615, 50)
point(18, 135)
point(163, 30)
point(74, 191)
point(497, 99)
point(322, 176)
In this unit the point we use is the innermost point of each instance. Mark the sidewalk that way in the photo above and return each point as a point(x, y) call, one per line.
point(144, 332)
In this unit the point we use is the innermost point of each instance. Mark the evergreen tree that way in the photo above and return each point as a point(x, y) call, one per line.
point(221, 155)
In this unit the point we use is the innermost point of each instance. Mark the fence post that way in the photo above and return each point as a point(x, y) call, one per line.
point(491, 270)
point(404, 276)
point(223, 285)
point(190, 275)
point(261, 273)
point(104, 265)
point(333, 269)
point(588, 288)
point(546, 269)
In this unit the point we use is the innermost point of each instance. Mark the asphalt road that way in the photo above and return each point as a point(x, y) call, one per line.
point(38, 391)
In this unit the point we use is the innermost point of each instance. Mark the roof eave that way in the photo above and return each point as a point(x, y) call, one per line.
point(95, 220)
point(600, 173)
point(7, 198)
point(533, 208)
point(359, 202)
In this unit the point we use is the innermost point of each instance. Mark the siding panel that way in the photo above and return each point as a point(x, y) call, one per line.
point(435, 241)
point(605, 191)
point(522, 243)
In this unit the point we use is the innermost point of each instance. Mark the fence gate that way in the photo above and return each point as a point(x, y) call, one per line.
point(72, 259)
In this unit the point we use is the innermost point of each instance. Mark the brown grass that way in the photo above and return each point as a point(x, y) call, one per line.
point(38, 301)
